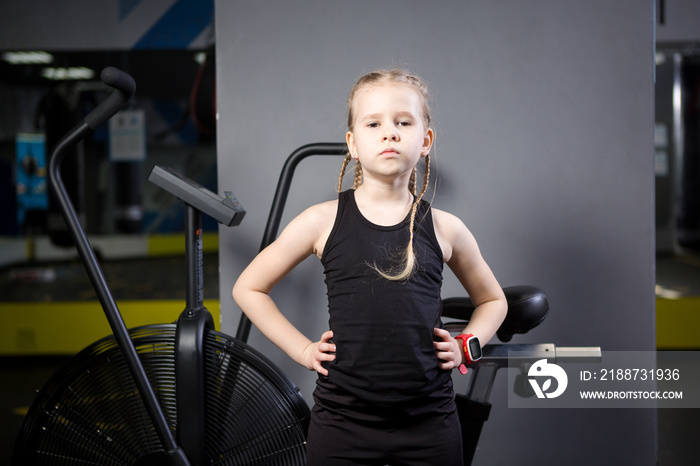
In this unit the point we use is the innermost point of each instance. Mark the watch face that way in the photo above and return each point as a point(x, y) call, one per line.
point(474, 349)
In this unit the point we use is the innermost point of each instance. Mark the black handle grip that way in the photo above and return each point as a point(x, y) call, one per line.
point(124, 87)
point(118, 80)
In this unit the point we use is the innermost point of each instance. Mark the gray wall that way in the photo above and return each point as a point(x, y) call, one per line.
point(544, 119)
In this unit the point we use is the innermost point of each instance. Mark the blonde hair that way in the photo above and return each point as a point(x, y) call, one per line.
point(380, 77)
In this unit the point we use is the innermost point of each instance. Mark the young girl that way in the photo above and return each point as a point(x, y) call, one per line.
point(384, 390)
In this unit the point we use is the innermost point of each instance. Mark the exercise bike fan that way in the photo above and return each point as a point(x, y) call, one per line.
point(90, 413)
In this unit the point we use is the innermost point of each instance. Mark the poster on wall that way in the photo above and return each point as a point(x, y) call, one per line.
point(32, 195)
point(127, 136)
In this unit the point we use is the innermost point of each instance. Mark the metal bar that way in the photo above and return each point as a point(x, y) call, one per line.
point(482, 381)
point(678, 148)
point(194, 260)
point(578, 353)
point(504, 353)
point(190, 390)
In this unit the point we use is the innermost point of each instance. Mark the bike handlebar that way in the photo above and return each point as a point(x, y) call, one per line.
point(124, 87)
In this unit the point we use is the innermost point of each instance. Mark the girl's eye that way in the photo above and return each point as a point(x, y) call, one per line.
point(372, 125)
point(404, 123)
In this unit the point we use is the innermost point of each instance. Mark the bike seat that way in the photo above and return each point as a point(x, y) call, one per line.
point(527, 308)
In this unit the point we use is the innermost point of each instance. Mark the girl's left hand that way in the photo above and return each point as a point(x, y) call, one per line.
point(448, 350)
point(319, 352)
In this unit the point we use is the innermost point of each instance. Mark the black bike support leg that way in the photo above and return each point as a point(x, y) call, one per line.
point(189, 347)
point(474, 408)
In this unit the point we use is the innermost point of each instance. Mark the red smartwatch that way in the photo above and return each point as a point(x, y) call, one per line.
point(472, 349)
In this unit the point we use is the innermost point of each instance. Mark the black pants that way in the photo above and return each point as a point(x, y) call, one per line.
point(355, 433)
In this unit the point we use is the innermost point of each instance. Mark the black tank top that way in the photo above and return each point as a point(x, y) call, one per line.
point(383, 329)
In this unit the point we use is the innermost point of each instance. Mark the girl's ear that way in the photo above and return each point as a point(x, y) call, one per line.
point(350, 141)
point(427, 141)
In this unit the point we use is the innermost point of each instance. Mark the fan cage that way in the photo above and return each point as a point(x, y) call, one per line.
point(90, 411)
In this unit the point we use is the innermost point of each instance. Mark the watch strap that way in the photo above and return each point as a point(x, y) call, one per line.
point(465, 349)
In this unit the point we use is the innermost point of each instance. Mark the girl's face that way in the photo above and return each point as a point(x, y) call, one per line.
point(388, 134)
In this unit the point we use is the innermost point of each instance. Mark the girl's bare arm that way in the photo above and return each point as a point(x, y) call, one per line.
point(299, 240)
point(464, 258)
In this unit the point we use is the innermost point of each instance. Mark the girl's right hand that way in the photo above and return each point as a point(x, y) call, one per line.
point(319, 352)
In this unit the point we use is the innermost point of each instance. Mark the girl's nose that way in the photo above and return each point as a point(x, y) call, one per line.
point(390, 134)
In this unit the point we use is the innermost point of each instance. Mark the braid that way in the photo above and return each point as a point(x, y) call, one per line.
point(426, 175)
point(412, 182)
point(357, 181)
point(346, 161)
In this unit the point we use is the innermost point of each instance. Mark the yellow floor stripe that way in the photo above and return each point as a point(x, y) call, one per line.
point(677, 323)
point(169, 244)
point(39, 328)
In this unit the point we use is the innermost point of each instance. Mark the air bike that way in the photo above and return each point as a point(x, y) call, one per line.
point(171, 394)
point(185, 394)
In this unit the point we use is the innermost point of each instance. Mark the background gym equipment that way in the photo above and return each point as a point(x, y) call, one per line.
point(527, 308)
point(172, 394)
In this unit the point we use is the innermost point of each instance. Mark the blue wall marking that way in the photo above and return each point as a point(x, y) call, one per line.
point(179, 26)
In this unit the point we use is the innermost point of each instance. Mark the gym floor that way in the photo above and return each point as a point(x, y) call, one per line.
point(163, 278)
